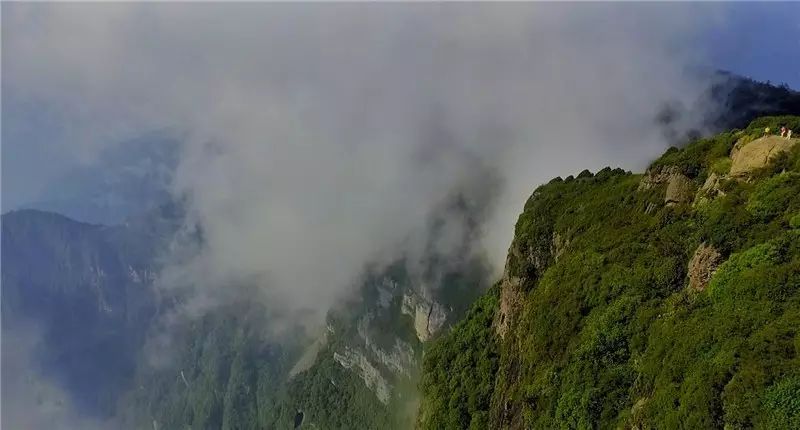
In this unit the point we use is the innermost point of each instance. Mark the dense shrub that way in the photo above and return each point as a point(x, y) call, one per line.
point(775, 195)
point(607, 334)
point(459, 370)
point(721, 166)
point(782, 402)
point(794, 221)
point(693, 160)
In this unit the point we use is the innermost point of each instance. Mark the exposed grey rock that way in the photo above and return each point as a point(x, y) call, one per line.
point(510, 298)
point(655, 177)
point(400, 360)
point(429, 316)
point(355, 360)
point(679, 189)
point(559, 245)
point(386, 292)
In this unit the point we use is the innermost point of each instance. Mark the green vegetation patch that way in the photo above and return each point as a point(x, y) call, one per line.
point(608, 335)
point(459, 371)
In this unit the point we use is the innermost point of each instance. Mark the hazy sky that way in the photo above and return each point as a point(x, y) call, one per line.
point(756, 39)
point(319, 137)
point(760, 40)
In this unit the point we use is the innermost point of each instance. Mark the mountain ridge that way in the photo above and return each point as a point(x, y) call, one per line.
point(598, 323)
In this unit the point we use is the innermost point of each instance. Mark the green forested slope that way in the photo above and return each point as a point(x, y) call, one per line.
point(603, 327)
point(226, 372)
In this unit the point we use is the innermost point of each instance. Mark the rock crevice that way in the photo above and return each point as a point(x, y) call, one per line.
point(429, 316)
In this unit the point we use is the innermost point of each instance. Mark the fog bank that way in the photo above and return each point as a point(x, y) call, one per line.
point(320, 138)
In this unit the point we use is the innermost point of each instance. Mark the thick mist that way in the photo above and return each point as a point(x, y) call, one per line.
point(30, 399)
point(321, 138)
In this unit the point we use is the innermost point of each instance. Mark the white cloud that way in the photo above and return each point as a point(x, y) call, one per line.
point(30, 399)
point(320, 137)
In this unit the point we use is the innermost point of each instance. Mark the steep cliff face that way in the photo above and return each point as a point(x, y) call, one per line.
point(364, 370)
point(356, 361)
point(429, 316)
point(632, 301)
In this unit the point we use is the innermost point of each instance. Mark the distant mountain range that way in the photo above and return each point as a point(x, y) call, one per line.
point(88, 288)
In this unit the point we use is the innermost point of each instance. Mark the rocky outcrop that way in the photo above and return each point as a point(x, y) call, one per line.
point(711, 188)
point(702, 266)
point(559, 245)
point(524, 264)
point(354, 360)
point(510, 296)
point(429, 316)
point(510, 301)
point(399, 360)
point(679, 186)
point(658, 176)
point(679, 190)
point(754, 155)
point(386, 292)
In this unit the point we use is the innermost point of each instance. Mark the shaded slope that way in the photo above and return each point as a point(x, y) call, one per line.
point(87, 288)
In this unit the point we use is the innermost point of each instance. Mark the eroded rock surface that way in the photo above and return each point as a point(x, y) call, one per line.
point(711, 188)
point(399, 360)
point(702, 266)
point(559, 245)
point(510, 300)
point(355, 360)
point(757, 154)
point(429, 316)
point(679, 189)
point(655, 177)
point(510, 296)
